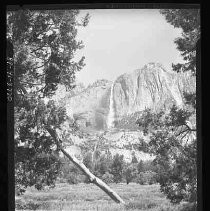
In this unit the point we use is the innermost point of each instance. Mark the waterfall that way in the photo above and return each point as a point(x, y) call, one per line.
point(111, 115)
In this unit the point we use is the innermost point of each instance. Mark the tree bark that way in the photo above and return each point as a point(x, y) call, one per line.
point(112, 194)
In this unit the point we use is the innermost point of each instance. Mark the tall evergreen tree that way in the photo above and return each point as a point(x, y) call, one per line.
point(44, 48)
point(117, 167)
point(173, 134)
point(44, 44)
point(134, 159)
point(140, 166)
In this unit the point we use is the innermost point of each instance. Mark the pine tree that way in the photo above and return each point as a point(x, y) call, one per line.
point(173, 134)
point(134, 159)
point(44, 44)
point(140, 166)
point(117, 168)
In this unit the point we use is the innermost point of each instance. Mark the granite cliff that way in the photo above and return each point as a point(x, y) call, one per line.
point(149, 87)
point(90, 107)
point(99, 107)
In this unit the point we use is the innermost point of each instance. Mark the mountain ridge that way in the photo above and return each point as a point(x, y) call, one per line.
point(151, 86)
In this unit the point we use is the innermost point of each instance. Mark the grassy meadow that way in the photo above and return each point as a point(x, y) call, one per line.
point(90, 198)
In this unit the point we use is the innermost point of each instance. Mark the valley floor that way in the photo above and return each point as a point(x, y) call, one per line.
point(89, 197)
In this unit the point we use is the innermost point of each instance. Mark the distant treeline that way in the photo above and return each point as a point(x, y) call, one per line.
point(111, 169)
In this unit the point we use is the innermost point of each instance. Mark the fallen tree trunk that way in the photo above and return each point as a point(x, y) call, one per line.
point(85, 170)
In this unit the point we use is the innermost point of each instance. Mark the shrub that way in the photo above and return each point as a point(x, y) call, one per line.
point(72, 179)
point(61, 180)
point(30, 205)
point(189, 207)
point(19, 204)
point(19, 189)
point(87, 180)
point(148, 177)
point(108, 178)
point(141, 179)
point(151, 177)
point(140, 205)
point(130, 173)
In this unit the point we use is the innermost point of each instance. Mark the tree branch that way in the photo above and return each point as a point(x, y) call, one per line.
point(181, 132)
point(189, 128)
point(39, 48)
point(187, 131)
point(30, 83)
point(41, 89)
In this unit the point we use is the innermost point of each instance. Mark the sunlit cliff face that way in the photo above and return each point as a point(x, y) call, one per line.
point(101, 105)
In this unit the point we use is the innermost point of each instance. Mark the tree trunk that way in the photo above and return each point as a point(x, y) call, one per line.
point(85, 170)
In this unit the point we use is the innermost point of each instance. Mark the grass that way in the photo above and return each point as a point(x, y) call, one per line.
point(89, 197)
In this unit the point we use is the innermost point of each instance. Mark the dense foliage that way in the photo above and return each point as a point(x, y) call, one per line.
point(36, 155)
point(111, 169)
point(173, 142)
point(117, 168)
point(44, 44)
point(128, 121)
point(173, 133)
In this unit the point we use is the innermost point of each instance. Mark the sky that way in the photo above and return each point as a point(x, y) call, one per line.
point(122, 40)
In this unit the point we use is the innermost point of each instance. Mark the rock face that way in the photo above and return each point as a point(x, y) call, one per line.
point(97, 107)
point(150, 87)
point(123, 142)
point(90, 107)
